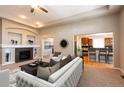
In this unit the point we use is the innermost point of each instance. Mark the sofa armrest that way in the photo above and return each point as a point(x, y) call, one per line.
point(4, 78)
point(71, 77)
point(60, 72)
point(24, 79)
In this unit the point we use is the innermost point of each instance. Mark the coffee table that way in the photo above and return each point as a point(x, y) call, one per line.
point(33, 69)
point(29, 69)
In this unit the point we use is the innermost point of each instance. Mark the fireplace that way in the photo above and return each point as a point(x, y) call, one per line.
point(23, 54)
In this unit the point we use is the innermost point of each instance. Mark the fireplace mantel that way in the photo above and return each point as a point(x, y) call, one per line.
point(18, 46)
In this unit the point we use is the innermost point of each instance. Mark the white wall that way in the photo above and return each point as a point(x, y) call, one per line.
point(96, 25)
point(122, 40)
point(0, 39)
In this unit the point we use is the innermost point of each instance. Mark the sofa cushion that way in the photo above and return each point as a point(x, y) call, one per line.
point(43, 72)
point(57, 58)
point(53, 77)
point(55, 67)
point(62, 63)
point(53, 62)
point(65, 61)
point(68, 59)
point(64, 57)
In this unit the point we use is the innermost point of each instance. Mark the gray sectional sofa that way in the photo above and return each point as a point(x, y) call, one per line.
point(66, 76)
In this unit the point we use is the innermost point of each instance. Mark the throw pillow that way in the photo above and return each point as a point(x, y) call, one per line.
point(62, 62)
point(43, 72)
point(69, 59)
point(65, 61)
point(55, 67)
point(52, 62)
point(64, 57)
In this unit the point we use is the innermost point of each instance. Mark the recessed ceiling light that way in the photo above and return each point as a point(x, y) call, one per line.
point(40, 25)
point(22, 16)
point(37, 23)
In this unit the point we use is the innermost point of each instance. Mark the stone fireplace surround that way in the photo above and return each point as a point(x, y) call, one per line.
point(12, 64)
point(23, 54)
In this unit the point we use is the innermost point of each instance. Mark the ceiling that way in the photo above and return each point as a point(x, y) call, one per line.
point(21, 13)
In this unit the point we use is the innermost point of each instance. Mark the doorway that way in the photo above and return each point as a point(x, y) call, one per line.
point(95, 48)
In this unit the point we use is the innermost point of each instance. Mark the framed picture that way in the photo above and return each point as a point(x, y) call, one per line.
point(47, 45)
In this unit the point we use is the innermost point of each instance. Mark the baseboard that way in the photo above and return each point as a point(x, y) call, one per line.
point(122, 71)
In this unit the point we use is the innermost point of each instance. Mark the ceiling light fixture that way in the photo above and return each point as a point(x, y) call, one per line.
point(36, 5)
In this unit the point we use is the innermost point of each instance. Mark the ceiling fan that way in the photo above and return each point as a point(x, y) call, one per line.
point(39, 7)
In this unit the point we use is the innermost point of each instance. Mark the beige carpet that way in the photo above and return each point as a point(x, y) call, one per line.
point(100, 75)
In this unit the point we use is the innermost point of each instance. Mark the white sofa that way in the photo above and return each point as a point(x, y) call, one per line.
point(67, 76)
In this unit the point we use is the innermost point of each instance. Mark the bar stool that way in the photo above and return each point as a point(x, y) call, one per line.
point(103, 54)
point(110, 55)
point(92, 54)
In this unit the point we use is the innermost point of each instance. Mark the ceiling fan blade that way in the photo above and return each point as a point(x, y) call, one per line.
point(43, 9)
point(32, 10)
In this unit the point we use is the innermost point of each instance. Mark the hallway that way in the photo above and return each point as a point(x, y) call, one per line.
point(100, 75)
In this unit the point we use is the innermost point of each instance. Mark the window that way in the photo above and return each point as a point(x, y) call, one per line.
point(98, 42)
